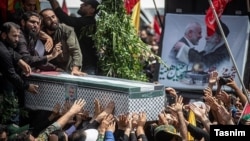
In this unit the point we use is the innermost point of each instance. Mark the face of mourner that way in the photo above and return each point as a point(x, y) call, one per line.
point(86, 9)
point(33, 25)
point(3, 136)
point(50, 20)
point(12, 38)
point(29, 5)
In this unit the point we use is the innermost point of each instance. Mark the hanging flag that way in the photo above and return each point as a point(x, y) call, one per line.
point(156, 25)
point(38, 8)
point(136, 16)
point(219, 6)
point(3, 9)
point(64, 7)
point(191, 120)
point(13, 5)
point(10, 6)
point(246, 109)
point(245, 116)
point(129, 5)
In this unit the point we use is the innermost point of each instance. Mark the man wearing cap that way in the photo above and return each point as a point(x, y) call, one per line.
point(85, 27)
point(215, 52)
point(14, 130)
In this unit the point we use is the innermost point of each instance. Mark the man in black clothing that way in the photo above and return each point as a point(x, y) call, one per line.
point(17, 14)
point(85, 27)
point(10, 61)
point(29, 36)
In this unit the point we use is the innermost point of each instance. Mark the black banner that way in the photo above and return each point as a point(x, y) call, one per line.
point(242, 132)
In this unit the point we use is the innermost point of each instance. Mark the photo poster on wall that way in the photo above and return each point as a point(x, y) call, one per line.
point(70, 92)
point(190, 72)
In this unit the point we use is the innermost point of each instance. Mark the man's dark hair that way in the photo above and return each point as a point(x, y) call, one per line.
point(60, 134)
point(6, 27)
point(46, 9)
point(77, 135)
point(94, 4)
point(23, 1)
point(26, 16)
point(3, 128)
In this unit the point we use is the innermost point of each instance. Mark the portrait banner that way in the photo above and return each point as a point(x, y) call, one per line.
point(191, 56)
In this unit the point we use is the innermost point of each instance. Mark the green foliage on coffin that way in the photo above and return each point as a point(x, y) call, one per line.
point(122, 53)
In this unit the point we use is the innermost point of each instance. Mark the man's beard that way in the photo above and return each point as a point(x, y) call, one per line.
point(31, 33)
point(80, 12)
point(209, 47)
point(11, 43)
point(52, 27)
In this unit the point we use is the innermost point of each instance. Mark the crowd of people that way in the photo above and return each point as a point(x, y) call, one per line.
point(51, 40)
point(72, 122)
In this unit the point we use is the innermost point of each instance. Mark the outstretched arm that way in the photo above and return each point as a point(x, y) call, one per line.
point(63, 17)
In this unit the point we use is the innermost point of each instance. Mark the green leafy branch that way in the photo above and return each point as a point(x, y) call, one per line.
point(122, 52)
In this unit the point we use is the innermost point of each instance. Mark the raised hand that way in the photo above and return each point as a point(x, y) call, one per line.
point(212, 102)
point(108, 110)
point(231, 83)
point(177, 107)
point(171, 91)
point(25, 67)
point(123, 121)
point(198, 111)
point(224, 97)
point(77, 106)
point(107, 120)
point(142, 119)
point(213, 77)
point(208, 91)
point(55, 112)
point(48, 44)
point(111, 126)
point(224, 116)
point(57, 50)
point(162, 118)
point(135, 118)
point(33, 88)
point(98, 108)
point(76, 71)
point(66, 107)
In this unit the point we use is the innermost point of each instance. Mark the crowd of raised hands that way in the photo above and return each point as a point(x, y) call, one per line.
point(216, 108)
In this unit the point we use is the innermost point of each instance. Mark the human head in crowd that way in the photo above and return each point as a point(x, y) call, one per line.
point(88, 8)
point(77, 135)
point(17, 133)
point(166, 133)
point(3, 133)
point(31, 22)
point(86, 135)
point(58, 135)
point(50, 20)
point(144, 36)
point(29, 5)
point(10, 34)
point(193, 32)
